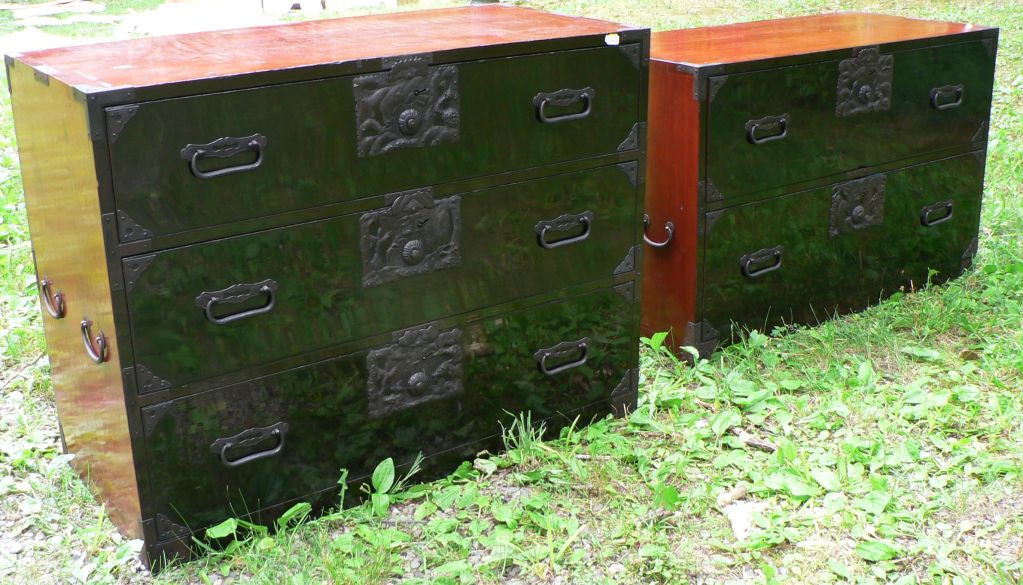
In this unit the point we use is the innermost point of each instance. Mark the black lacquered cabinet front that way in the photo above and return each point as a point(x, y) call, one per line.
point(196, 162)
point(790, 125)
point(430, 389)
point(802, 257)
point(323, 274)
point(217, 307)
point(828, 181)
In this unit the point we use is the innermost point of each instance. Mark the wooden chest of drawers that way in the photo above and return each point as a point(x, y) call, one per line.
point(270, 254)
point(810, 165)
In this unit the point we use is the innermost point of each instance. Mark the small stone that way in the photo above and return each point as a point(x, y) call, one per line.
point(616, 569)
point(12, 547)
point(740, 516)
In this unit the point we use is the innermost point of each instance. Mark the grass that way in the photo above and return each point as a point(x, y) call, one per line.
point(897, 431)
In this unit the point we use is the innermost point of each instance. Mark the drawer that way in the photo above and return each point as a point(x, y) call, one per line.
point(189, 163)
point(433, 389)
point(221, 306)
point(800, 257)
point(783, 126)
point(934, 219)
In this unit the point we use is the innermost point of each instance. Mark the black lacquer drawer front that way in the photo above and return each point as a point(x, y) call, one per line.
point(432, 389)
point(189, 163)
point(222, 306)
point(937, 218)
point(800, 257)
point(773, 128)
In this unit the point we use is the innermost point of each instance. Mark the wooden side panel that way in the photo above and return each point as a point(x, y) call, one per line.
point(673, 156)
point(58, 172)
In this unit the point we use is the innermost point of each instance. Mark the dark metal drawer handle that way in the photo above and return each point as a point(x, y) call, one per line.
point(561, 350)
point(54, 302)
point(778, 124)
point(564, 98)
point(563, 223)
point(954, 93)
point(668, 227)
point(224, 148)
point(759, 257)
point(928, 211)
point(98, 350)
point(238, 293)
point(248, 439)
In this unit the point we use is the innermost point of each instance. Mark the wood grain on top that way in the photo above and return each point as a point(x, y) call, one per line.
point(188, 57)
point(769, 39)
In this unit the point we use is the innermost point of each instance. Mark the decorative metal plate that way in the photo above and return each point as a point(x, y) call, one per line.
point(415, 235)
point(628, 263)
point(631, 141)
point(168, 529)
point(129, 230)
point(631, 170)
point(857, 205)
point(628, 291)
point(148, 381)
point(865, 83)
point(709, 191)
point(117, 119)
point(422, 365)
point(411, 106)
point(134, 268)
point(152, 415)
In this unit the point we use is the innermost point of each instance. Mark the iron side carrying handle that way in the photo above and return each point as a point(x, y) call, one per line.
point(780, 125)
point(53, 302)
point(929, 210)
point(97, 348)
point(563, 223)
point(759, 257)
point(238, 293)
point(563, 98)
point(668, 227)
point(563, 349)
point(249, 438)
point(954, 93)
point(224, 148)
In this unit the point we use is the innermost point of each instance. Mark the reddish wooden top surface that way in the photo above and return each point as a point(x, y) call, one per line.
point(177, 58)
point(768, 39)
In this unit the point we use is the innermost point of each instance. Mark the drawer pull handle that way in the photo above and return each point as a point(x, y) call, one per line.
point(238, 293)
point(564, 98)
point(224, 148)
point(925, 214)
point(947, 97)
point(778, 124)
point(562, 223)
point(250, 438)
point(98, 350)
point(753, 264)
point(54, 302)
point(668, 227)
point(562, 350)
